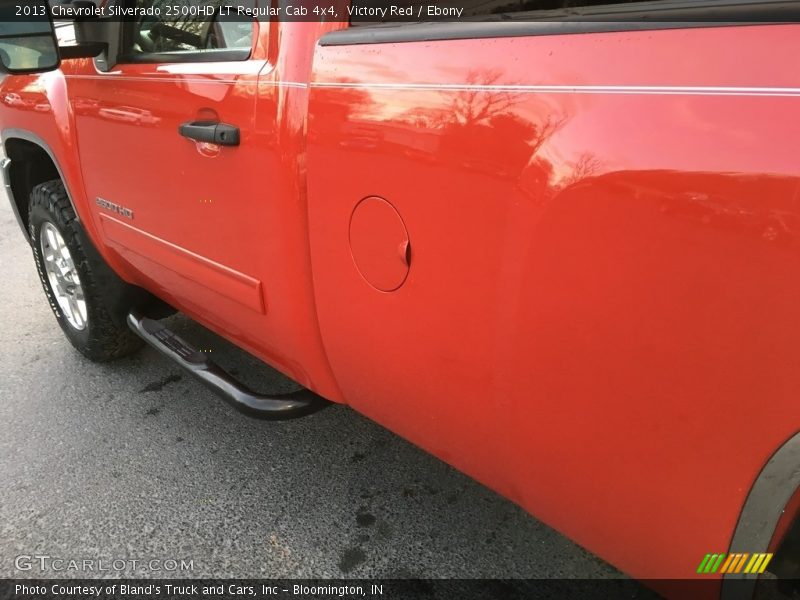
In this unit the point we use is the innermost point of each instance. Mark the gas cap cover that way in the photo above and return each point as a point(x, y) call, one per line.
point(379, 244)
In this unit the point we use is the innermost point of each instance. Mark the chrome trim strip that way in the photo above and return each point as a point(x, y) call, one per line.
point(574, 89)
point(467, 87)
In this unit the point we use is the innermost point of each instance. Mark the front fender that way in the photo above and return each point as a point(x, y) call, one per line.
point(36, 108)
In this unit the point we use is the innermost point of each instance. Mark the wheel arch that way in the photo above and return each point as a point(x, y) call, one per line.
point(771, 492)
point(29, 161)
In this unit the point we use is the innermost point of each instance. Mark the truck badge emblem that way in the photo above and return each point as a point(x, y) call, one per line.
point(121, 210)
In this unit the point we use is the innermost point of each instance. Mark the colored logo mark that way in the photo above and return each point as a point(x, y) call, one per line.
point(734, 563)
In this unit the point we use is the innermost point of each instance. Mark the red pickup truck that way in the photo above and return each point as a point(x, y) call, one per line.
point(561, 254)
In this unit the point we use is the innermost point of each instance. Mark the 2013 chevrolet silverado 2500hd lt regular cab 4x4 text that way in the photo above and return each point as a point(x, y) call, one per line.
point(563, 256)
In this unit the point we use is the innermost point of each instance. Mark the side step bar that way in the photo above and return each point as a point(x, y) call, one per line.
point(274, 407)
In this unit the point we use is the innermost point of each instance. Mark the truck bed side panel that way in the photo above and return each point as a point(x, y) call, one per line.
point(600, 316)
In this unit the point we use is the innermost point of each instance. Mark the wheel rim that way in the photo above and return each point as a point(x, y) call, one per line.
point(63, 277)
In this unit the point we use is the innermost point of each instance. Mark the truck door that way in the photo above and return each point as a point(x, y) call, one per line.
point(180, 206)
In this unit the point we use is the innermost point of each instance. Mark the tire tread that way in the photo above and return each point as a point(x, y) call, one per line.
point(104, 339)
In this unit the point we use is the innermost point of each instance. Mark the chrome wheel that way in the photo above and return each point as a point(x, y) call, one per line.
point(63, 277)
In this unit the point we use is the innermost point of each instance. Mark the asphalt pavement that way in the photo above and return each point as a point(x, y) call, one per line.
point(134, 460)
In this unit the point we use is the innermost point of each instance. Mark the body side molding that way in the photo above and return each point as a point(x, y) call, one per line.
point(222, 279)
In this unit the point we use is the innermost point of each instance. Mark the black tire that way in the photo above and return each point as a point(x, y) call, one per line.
point(104, 335)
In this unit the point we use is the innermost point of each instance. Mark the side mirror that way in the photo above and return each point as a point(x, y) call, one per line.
point(27, 38)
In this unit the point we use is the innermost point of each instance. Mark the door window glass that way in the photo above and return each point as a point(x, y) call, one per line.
point(188, 30)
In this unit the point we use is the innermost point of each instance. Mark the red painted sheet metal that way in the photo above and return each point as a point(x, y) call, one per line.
point(600, 318)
